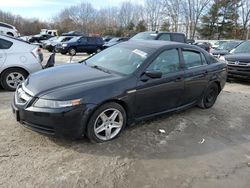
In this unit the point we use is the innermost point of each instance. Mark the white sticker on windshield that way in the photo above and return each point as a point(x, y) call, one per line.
point(140, 53)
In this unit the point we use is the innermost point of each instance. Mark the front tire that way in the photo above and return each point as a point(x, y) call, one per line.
point(11, 78)
point(209, 96)
point(106, 123)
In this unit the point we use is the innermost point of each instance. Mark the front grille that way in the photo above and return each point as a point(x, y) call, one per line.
point(239, 63)
point(22, 97)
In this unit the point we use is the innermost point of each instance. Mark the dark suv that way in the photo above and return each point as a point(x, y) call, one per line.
point(80, 44)
point(161, 35)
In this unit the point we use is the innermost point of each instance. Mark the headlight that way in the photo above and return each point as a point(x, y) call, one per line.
point(44, 103)
point(64, 45)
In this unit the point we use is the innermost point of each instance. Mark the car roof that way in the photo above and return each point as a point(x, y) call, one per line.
point(160, 32)
point(157, 44)
point(6, 24)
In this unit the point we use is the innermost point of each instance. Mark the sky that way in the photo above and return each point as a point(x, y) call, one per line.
point(45, 9)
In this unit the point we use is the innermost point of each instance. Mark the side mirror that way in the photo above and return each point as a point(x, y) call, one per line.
point(153, 74)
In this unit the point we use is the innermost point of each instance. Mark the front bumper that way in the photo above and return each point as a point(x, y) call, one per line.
point(67, 122)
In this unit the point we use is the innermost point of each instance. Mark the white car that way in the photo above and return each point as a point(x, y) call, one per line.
point(18, 59)
point(7, 29)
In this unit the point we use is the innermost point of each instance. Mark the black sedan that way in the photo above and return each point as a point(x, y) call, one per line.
point(128, 82)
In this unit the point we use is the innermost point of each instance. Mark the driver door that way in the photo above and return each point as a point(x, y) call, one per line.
point(161, 94)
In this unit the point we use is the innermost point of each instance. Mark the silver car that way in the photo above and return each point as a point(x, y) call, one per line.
point(18, 59)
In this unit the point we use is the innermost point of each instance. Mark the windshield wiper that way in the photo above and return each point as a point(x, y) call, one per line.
point(100, 68)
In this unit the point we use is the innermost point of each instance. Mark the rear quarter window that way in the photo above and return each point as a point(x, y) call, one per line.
point(4, 44)
point(178, 38)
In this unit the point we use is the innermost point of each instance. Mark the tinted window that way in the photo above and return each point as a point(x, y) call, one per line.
point(4, 25)
point(4, 44)
point(91, 40)
point(83, 40)
point(178, 38)
point(167, 62)
point(192, 58)
point(165, 37)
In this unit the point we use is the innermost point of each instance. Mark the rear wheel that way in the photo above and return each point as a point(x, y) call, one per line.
point(11, 78)
point(72, 51)
point(210, 96)
point(106, 123)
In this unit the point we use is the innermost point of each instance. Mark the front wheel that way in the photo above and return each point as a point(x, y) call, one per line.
point(106, 123)
point(11, 78)
point(209, 96)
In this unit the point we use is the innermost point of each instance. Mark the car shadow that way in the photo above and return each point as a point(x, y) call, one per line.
point(185, 136)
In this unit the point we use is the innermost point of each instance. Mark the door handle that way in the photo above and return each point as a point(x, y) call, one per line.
point(178, 79)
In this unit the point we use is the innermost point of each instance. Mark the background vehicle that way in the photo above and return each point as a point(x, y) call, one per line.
point(204, 45)
point(239, 62)
point(218, 43)
point(128, 82)
point(115, 41)
point(39, 38)
point(107, 38)
point(52, 32)
point(73, 33)
point(7, 29)
point(51, 43)
point(17, 60)
point(225, 48)
point(161, 35)
point(80, 44)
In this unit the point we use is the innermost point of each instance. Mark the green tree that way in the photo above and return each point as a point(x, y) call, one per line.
point(141, 26)
point(165, 26)
point(221, 20)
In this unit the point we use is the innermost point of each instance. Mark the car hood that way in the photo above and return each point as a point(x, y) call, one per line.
point(64, 78)
point(220, 52)
point(243, 57)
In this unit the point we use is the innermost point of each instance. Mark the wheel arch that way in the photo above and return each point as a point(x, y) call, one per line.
point(9, 68)
point(118, 101)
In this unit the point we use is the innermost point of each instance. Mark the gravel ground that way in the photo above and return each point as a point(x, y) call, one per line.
point(201, 148)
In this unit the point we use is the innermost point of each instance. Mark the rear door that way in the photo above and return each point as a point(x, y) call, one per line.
point(196, 75)
point(82, 44)
point(162, 94)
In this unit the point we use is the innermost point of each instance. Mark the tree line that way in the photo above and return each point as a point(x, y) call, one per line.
point(207, 19)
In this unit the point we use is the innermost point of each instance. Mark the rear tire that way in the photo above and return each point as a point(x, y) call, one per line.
point(106, 123)
point(12, 77)
point(209, 96)
point(72, 51)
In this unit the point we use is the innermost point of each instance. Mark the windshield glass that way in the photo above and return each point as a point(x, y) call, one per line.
point(74, 39)
point(114, 39)
point(145, 36)
point(228, 45)
point(243, 48)
point(120, 59)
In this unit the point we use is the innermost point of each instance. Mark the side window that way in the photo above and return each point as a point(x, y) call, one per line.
point(178, 38)
point(165, 37)
point(83, 40)
point(167, 62)
point(91, 40)
point(6, 26)
point(4, 44)
point(192, 58)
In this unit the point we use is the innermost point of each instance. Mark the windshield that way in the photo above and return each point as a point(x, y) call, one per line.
point(145, 36)
point(114, 39)
point(227, 45)
point(243, 48)
point(74, 39)
point(120, 59)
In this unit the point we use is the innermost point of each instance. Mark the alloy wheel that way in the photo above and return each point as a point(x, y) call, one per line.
point(108, 124)
point(14, 79)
